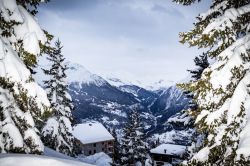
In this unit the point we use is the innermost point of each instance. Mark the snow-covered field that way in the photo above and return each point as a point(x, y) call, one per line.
point(53, 158)
point(98, 159)
point(36, 160)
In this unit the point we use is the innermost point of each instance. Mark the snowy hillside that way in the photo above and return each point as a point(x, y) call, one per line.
point(98, 159)
point(31, 160)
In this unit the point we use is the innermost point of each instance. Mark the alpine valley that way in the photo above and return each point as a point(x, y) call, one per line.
point(109, 100)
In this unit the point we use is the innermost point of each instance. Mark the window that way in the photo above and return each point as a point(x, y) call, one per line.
point(90, 152)
point(94, 151)
point(94, 144)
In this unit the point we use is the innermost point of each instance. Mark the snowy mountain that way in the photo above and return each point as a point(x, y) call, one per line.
point(170, 98)
point(150, 85)
point(95, 98)
point(117, 81)
point(77, 73)
point(110, 101)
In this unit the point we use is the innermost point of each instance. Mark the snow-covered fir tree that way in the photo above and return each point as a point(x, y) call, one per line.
point(183, 123)
point(133, 146)
point(223, 92)
point(22, 101)
point(57, 133)
point(201, 63)
point(117, 150)
point(28, 3)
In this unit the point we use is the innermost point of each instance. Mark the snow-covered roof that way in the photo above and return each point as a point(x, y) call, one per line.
point(91, 132)
point(169, 149)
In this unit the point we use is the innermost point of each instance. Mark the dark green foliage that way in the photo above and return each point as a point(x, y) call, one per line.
point(133, 147)
point(19, 104)
point(117, 150)
point(216, 39)
point(5, 83)
point(201, 62)
point(21, 117)
point(28, 103)
point(57, 84)
point(31, 5)
point(59, 135)
point(196, 37)
point(186, 2)
point(7, 30)
point(7, 26)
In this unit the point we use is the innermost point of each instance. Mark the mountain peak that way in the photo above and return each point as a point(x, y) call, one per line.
point(78, 73)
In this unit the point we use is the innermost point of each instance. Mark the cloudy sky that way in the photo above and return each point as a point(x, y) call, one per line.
point(129, 39)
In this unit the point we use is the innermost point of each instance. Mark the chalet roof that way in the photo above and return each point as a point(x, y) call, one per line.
point(169, 149)
point(91, 132)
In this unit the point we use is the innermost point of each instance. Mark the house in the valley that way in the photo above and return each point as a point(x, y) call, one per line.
point(94, 138)
point(168, 154)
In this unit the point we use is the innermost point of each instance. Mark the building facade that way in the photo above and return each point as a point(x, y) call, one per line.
point(94, 138)
point(168, 154)
point(96, 147)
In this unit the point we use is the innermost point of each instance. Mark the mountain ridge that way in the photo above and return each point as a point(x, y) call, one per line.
point(98, 99)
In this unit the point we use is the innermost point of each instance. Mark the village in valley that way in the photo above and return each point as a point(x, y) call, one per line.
point(94, 138)
point(113, 83)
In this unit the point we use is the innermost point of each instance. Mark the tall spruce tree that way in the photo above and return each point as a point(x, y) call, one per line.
point(201, 63)
point(133, 146)
point(223, 92)
point(57, 133)
point(22, 101)
point(117, 150)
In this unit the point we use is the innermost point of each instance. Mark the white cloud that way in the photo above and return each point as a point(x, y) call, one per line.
point(135, 39)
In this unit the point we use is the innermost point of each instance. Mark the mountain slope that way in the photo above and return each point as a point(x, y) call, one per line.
point(96, 99)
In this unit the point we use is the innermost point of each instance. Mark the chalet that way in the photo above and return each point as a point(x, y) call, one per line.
point(168, 154)
point(94, 138)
